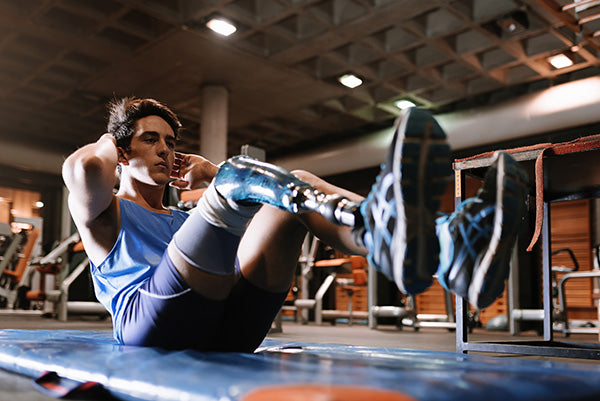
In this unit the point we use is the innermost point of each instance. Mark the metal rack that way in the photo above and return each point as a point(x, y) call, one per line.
point(559, 183)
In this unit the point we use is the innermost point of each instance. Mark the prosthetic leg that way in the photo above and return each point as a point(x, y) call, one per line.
point(244, 179)
point(396, 221)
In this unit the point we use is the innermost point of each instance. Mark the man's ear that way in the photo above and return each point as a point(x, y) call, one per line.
point(122, 156)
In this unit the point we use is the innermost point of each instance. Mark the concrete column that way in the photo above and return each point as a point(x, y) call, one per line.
point(213, 127)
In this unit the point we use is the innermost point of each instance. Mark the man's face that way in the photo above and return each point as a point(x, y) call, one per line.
point(151, 154)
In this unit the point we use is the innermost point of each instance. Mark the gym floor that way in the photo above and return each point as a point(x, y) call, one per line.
point(19, 388)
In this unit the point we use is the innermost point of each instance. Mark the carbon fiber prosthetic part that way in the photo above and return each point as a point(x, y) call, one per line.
point(244, 179)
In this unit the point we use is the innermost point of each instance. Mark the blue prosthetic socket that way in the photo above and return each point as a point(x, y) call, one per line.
point(245, 179)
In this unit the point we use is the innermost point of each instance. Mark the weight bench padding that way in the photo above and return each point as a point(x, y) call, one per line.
point(137, 373)
point(583, 144)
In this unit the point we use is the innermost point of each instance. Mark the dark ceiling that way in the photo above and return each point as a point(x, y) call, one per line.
point(61, 60)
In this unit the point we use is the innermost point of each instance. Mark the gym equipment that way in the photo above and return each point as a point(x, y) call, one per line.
point(561, 319)
point(9, 245)
point(308, 263)
point(405, 315)
point(360, 277)
point(46, 265)
point(64, 307)
point(20, 286)
point(350, 286)
point(559, 300)
point(14, 266)
point(279, 369)
point(552, 165)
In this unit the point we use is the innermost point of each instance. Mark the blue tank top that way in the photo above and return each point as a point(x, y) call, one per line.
point(142, 241)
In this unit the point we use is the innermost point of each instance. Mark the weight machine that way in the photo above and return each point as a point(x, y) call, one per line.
point(44, 281)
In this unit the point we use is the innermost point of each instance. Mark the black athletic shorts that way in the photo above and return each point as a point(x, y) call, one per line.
point(167, 313)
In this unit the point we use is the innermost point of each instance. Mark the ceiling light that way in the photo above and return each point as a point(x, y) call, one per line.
point(560, 61)
point(221, 26)
point(39, 204)
point(350, 80)
point(514, 22)
point(404, 104)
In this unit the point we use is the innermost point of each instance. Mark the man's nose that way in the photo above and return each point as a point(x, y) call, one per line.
point(163, 147)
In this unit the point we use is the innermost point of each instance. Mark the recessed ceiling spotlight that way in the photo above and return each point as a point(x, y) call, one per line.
point(404, 104)
point(221, 26)
point(350, 80)
point(514, 22)
point(560, 61)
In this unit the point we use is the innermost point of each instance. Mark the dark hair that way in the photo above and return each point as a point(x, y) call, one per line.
point(124, 112)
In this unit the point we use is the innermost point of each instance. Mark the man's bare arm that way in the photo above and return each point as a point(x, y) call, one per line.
point(89, 174)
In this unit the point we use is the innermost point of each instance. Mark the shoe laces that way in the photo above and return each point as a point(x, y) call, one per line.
point(472, 227)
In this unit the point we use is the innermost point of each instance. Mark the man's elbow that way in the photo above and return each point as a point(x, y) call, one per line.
point(82, 169)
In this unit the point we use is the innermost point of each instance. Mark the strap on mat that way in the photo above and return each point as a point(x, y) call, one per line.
point(59, 387)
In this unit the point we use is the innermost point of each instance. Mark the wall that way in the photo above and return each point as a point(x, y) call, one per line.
point(18, 203)
point(49, 187)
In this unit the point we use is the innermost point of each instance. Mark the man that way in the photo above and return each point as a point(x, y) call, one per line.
point(215, 278)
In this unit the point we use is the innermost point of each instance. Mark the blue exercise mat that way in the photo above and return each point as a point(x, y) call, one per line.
point(137, 373)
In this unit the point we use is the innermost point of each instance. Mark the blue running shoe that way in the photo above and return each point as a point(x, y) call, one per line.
point(477, 239)
point(399, 213)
